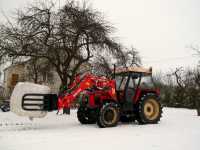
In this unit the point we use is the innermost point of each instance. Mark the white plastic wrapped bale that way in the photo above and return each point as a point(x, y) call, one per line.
point(16, 98)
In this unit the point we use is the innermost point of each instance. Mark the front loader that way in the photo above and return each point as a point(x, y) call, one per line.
point(130, 95)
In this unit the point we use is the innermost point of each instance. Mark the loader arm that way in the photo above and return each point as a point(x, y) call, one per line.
point(44, 101)
point(87, 82)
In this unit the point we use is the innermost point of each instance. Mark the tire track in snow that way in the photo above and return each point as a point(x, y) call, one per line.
point(17, 126)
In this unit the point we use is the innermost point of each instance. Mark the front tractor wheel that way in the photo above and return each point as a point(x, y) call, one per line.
point(108, 115)
point(86, 115)
point(149, 110)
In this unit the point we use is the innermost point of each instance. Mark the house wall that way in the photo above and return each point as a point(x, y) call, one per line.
point(1, 91)
point(8, 77)
point(21, 71)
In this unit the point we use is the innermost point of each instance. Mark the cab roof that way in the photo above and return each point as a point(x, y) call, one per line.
point(134, 70)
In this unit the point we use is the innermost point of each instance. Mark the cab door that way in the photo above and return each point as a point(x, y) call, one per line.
point(130, 90)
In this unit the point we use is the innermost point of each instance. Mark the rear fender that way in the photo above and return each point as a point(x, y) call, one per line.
point(140, 92)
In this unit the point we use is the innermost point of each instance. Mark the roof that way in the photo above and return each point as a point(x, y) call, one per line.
point(134, 69)
point(15, 64)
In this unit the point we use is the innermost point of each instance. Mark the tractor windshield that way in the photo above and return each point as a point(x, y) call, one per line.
point(120, 82)
point(147, 82)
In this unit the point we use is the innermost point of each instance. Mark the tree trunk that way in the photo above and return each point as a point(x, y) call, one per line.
point(198, 112)
point(198, 106)
point(198, 109)
point(36, 78)
point(64, 84)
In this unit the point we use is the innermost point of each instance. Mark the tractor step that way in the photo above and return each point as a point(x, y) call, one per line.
point(39, 102)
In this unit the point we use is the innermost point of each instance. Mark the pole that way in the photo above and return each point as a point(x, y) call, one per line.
point(114, 71)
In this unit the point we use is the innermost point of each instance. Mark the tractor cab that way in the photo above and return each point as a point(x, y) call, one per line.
point(132, 83)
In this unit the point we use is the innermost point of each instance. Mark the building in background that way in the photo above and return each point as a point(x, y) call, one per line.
point(1, 89)
point(19, 73)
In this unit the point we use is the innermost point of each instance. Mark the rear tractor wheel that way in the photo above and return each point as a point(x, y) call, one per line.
point(108, 115)
point(149, 110)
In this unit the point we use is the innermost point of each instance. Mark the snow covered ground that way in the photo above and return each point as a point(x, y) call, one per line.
point(179, 129)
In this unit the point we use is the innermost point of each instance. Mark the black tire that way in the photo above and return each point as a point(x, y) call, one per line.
point(108, 115)
point(86, 115)
point(149, 109)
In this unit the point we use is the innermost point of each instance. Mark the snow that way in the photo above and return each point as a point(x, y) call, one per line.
point(179, 129)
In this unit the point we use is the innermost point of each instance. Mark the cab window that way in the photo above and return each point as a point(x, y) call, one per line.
point(146, 82)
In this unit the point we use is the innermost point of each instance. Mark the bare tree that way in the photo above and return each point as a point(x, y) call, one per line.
point(196, 48)
point(184, 92)
point(103, 63)
point(197, 87)
point(65, 37)
point(39, 71)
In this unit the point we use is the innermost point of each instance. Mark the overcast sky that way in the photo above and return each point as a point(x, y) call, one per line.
point(161, 30)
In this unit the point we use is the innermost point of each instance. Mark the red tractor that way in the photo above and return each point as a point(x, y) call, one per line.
point(130, 95)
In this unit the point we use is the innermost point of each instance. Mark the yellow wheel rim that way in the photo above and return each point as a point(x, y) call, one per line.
point(110, 116)
point(151, 109)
